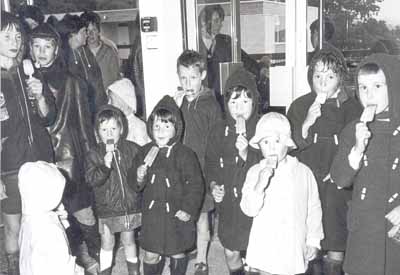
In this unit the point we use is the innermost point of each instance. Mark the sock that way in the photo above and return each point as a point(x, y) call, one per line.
point(105, 259)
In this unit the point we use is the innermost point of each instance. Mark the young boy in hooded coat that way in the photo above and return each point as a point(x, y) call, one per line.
point(228, 158)
point(368, 159)
point(172, 189)
point(316, 128)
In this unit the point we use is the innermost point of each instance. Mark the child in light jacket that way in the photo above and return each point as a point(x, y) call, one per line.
point(281, 195)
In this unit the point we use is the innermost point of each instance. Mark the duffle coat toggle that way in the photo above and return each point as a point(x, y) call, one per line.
point(393, 197)
point(363, 193)
point(395, 163)
point(396, 131)
point(335, 138)
point(365, 160)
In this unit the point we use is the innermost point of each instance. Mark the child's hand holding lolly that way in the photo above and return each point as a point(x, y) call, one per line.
point(179, 95)
point(141, 173)
point(148, 162)
point(217, 191)
point(269, 163)
point(313, 113)
point(109, 152)
point(362, 132)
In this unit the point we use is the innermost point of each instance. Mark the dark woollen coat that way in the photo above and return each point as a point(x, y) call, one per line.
point(319, 148)
point(173, 182)
point(369, 250)
point(225, 167)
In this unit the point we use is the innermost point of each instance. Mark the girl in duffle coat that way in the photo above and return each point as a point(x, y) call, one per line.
point(374, 173)
point(228, 158)
point(173, 190)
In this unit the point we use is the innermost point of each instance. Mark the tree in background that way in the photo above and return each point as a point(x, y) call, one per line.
point(356, 27)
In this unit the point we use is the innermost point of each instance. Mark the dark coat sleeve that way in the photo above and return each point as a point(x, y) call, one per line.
point(297, 114)
point(211, 158)
point(96, 173)
point(193, 189)
point(341, 171)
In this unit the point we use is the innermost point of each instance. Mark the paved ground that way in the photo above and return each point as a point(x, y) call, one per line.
point(216, 260)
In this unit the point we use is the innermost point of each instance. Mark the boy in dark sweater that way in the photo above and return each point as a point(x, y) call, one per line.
point(200, 111)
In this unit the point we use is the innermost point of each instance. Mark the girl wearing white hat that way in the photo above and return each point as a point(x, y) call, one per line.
point(281, 195)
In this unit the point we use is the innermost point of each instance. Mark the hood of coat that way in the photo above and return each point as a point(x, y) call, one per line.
point(242, 77)
point(169, 104)
point(337, 55)
point(41, 185)
point(124, 89)
point(119, 113)
point(390, 65)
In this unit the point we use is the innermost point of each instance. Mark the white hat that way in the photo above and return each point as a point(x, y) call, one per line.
point(41, 186)
point(273, 124)
point(125, 90)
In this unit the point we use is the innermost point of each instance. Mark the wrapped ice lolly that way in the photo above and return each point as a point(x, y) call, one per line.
point(240, 126)
point(270, 162)
point(321, 98)
point(151, 156)
point(110, 145)
point(28, 67)
point(368, 114)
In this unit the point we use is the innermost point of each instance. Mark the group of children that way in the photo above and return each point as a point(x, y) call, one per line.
point(338, 188)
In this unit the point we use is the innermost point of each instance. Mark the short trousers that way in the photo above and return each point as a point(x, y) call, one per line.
point(118, 223)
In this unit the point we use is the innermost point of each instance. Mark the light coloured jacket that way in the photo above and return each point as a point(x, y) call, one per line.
point(44, 248)
point(287, 218)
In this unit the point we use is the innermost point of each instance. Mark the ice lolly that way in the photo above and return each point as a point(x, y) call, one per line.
point(28, 67)
point(368, 113)
point(240, 125)
point(110, 145)
point(151, 156)
point(270, 162)
point(321, 98)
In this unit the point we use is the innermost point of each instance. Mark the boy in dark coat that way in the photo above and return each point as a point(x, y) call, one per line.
point(228, 158)
point(200, 112)
point(172, 191)
point(317, 119)
point(368, 158)
point(116, 202)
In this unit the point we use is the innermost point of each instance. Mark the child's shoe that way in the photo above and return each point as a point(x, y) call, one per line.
point(201, 269)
